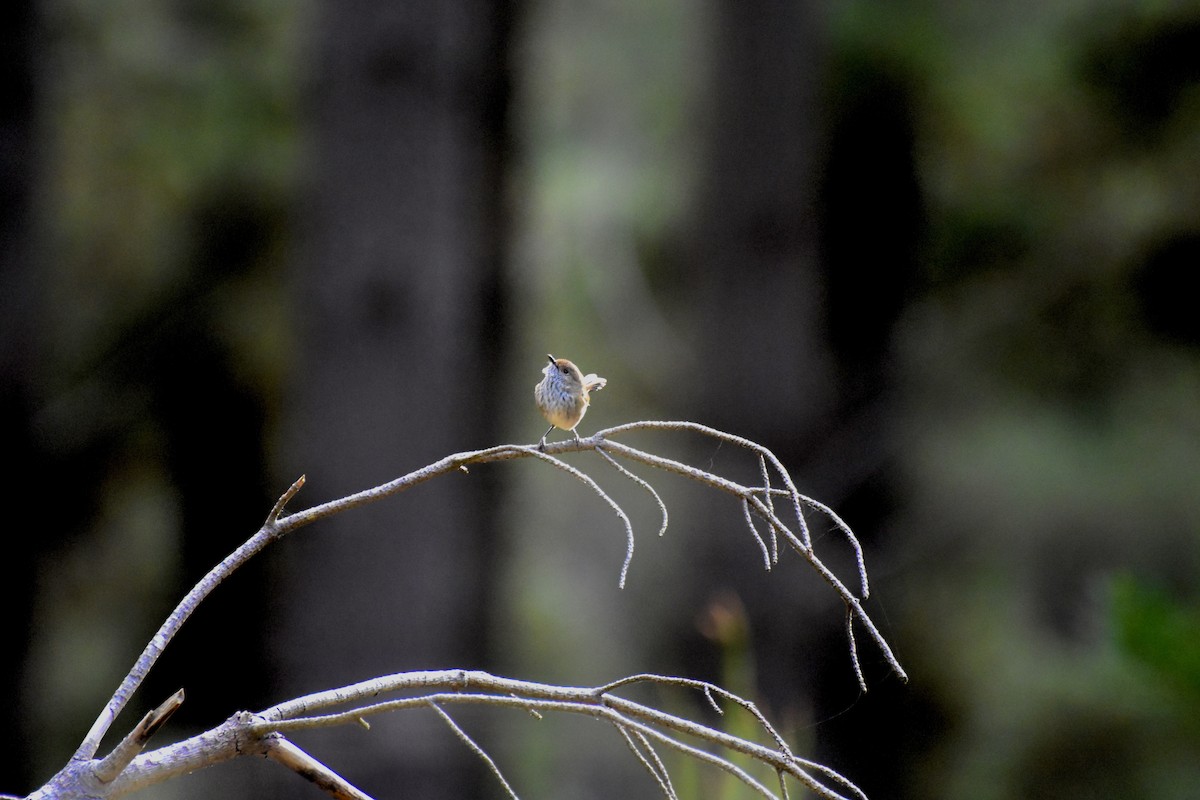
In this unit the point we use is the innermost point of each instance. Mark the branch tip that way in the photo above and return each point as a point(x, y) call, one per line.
point(284, 752)
point(110, 768)
point(858, 673)
point(159, 716)
point(712, 701)
point(277, 509)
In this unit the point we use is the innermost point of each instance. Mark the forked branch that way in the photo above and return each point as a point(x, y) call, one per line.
point(644, 729)
point(642, 726)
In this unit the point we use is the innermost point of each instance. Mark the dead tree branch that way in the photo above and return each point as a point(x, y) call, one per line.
point(127, 769)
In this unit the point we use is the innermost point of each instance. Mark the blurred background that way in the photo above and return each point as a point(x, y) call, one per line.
point(935, 255)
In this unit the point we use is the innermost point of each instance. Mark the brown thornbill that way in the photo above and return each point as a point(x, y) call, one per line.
point(563, 395)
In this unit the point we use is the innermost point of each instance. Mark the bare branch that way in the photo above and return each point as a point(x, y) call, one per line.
point(225, 742)
point(800, 541)
point(289, 755)
point(479, 688)
point(263, 733)
point(126, 769)
point(166, 632)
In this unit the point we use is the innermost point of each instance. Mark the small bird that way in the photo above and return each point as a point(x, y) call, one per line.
point(562, 395)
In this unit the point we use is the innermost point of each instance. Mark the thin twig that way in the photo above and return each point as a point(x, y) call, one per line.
point(755, 447)
point(588, 481)
point(658, 762)
point(766, 478)
point(708, 689)
point(662, 507)
point(699, 755)
point(757, 537)
point(858, 673)
point(849, 534)
point(841, 525)
point(644, 752)
point(475, 748)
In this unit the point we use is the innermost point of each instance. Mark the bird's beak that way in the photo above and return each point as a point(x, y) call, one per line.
point(550, 357)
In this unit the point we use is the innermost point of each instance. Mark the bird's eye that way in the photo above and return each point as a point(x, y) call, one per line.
point(563, 370)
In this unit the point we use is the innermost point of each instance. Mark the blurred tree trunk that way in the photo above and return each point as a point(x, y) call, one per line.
point(756, 268)
point(401, 315)
point(148, 407)
point(761, 295)
point(19, 303)
point(798, 297)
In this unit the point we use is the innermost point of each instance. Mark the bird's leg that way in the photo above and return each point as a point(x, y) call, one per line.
point(542, 446)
